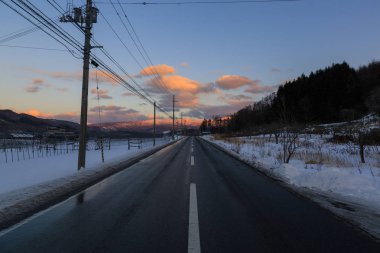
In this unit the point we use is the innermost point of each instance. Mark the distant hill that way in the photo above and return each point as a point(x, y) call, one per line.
point(129, 127)
point(11, 121)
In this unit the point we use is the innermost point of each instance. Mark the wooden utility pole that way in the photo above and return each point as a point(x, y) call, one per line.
point(154, 124)
point(181, 123)
point(84, 106)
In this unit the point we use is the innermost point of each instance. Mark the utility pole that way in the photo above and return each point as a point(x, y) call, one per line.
point(173, 119)
point(154, 124)
point(90, 17)
point(181, 123)
point(84, 106)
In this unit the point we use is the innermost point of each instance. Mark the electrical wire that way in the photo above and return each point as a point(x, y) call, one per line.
point(134, 90)
point(18, 34)
point(45, 31)
point(37, 48)
point(155, 72)
point(59, 34)
point(202, 2)
point(110, 73)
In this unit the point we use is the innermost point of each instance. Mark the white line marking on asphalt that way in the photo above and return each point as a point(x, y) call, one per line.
point(34, 216)
point(194, 245)
point(192, 149)
point(192, 161)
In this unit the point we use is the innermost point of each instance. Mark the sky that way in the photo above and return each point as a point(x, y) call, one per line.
point(215, 58)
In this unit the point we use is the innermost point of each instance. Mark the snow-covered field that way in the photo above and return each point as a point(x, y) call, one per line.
point(321, 168)
point(31, 168)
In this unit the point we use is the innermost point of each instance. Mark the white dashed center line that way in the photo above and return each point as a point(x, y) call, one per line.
point(194, 245)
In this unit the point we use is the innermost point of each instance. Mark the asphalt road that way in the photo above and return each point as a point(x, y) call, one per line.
point(186, 199)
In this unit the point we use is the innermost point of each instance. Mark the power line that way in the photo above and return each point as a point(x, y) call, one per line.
point(105, 52)
point(50, 24)
point(38, 25)
point(122, 42)
point(113, 74)
point(37, 48)
point(130, 35)
point(155, 72)
point(202, 2)
point(61, 36)
point(18, 34)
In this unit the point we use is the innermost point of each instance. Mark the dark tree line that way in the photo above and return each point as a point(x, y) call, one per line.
point(336, 93)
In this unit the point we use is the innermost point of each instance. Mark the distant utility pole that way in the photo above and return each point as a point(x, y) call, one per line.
point(181, 123)
point(154, 124)
point(90, 17)
point(173, 119)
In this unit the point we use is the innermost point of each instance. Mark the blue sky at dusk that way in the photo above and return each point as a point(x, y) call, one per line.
point(216, 58)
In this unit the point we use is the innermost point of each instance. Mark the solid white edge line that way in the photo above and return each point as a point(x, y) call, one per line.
point(194, 245)
point(36, 215)
point(192, 161)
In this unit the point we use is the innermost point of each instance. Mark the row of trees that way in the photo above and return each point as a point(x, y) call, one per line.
point(336, 93)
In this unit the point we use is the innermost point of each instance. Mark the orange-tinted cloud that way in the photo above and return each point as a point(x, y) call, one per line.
point(70, 116)
point(182, 100)
point(174, 83)
point(186, 100)
point(162, 69)
point(228, 82)
point(37, 113)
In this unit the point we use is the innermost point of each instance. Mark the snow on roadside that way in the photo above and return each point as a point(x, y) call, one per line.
point(18, 204)
point(24, 173)
point(340, 183)
point(361, 181)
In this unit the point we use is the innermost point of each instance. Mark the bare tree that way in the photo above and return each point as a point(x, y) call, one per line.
point(290, 144)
